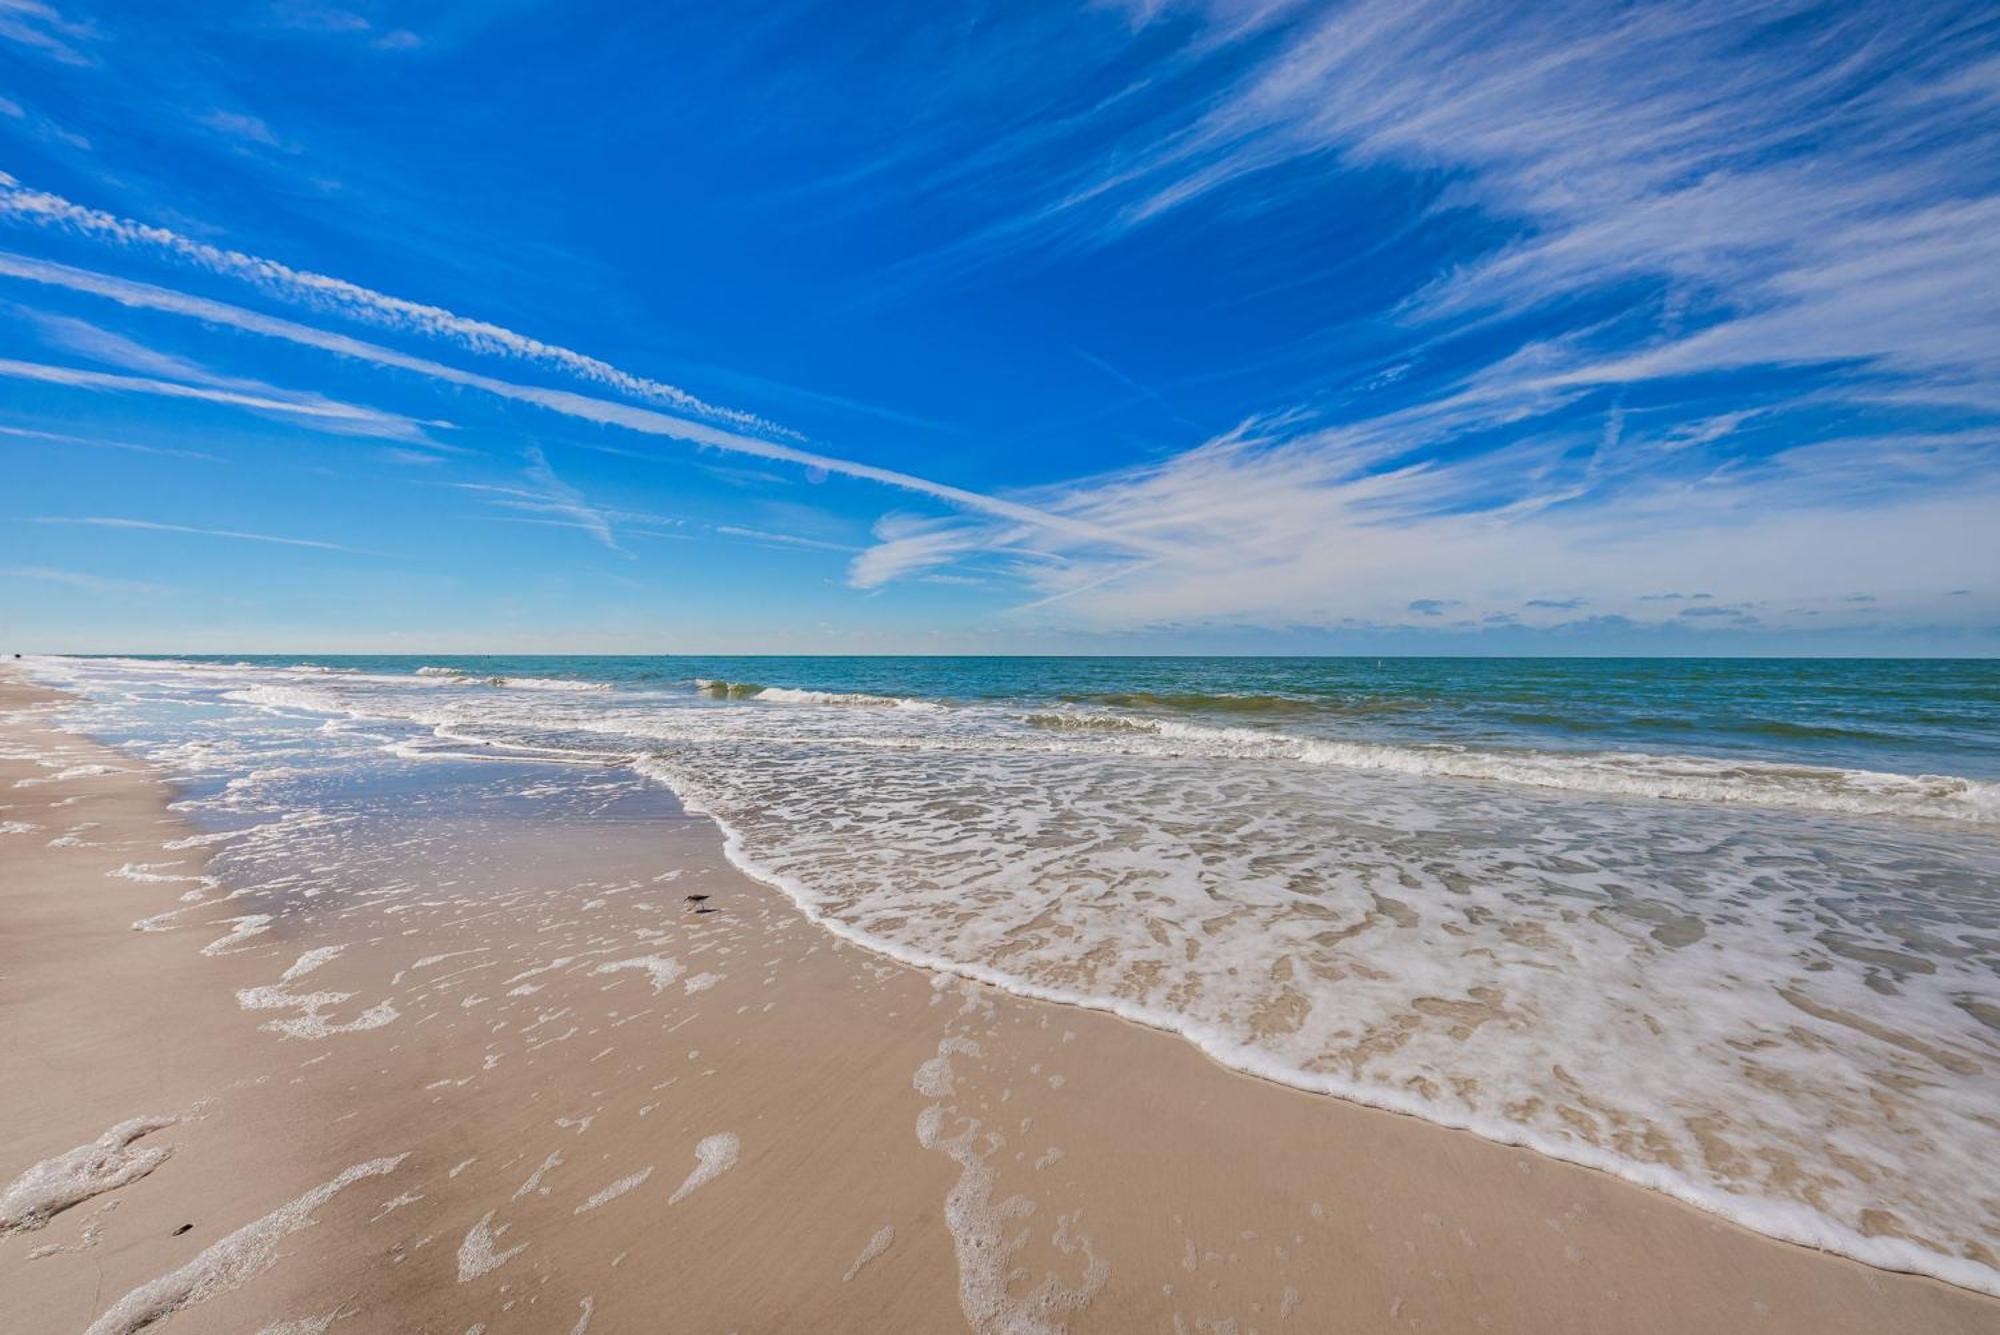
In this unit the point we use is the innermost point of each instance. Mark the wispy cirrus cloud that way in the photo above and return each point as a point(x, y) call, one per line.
point(339, 297)
point(1625, 209)
point(154, 526)
point(43, 28)
point(1281, 527)
point(325, 411)
point(336, 21)
point(561, 497)
point(1665, 196)
point(29, 434)
point(583, 407)
point(1788, 183)
point(242, 128)
point(547, 499)
point(101, 345)
point(781, 539)
point(79, 579)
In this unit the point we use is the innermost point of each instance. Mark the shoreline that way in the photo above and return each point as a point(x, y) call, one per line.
point(1778, 1223)
point(1181, 1189)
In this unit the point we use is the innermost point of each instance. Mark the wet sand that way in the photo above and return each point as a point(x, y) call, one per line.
point(516, 1080)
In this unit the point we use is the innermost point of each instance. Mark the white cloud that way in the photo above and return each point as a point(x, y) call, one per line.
point(304, 16)
point(244, 129)
point(63, 438)
point(106, 521)
point(604, 412)
point(782, 539)
point(101, 345)
point(1292, 528)
point(1725, 187)
point(906, 546)
point(1800, 178)
point(42, 27)
point(77, 579)
point(354, 301)
point(322, 411)
point(567, 500)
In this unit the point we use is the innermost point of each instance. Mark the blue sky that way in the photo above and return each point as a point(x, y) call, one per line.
point(1154, 327)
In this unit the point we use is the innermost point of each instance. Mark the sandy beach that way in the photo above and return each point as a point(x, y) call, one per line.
point(1111, 667)
point(575, 1072)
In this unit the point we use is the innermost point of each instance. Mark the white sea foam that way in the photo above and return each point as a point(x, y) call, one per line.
point(452, 676)
point(550, 684)
point(307, 1325)
point(1761, 988)
point(313, 959)
point(241, 929)
point(660, 970)
point(230, 1263)
point(144, 872)
point(1670, 778)
point(714, 1156)
point(875, 1246)
point(311, 1022)
point(986, 1238)
point(64, 776)
point(1603, 1018)
point(534, 1182)
point(105, 1164)
point(478, 1255)
point(315, 1026)
point(611, 1193)
point(786, 695)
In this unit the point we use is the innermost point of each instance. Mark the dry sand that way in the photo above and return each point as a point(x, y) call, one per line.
point(534, 1090)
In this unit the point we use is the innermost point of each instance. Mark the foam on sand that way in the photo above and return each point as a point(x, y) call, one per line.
point(477, 1255)
point(307, 1326)
point(105, 1164)
point(148, 872)
point(311, 960)
point(64, 776)
point(876, 1245)
point(232, 1262)
point(311, 1021)
point(659, 969)
point(534, 1182)
point(714, 1156)
point(240, 930)
point(984, 1230)
point(616, 1189)
point(1757, 986)
point(1586, 978)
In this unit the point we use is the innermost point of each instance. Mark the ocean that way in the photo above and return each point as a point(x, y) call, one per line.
point(1727, 928)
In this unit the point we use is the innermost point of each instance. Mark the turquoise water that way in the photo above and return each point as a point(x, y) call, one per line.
point(1729, 929)
point(1914, 716)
